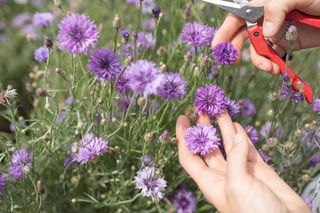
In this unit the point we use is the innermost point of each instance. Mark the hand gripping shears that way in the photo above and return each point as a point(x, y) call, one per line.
point(263, 47)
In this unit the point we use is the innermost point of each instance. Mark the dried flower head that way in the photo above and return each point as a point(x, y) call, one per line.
point(7, 95)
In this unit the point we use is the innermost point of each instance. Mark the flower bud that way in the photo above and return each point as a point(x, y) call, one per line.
point(48, 42)
point(103, 121)
point(270, 112)
point(148, 137)
point(41, 92)
point(196, 72)
point(300, 85)
point(57, 3)
point(274, 96)
point(298, 133)
point(134, 35)
point(164, 138)
point(141, 101)
point(161, 51)
point(173, 140)
point(59, 72)
point(163, 68)
point(156, 12)
point(187, 13)
point(292, 33)
point(100, 101)
point(272, 142)
point(116, 22)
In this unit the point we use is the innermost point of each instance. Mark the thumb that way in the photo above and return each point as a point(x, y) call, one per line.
point(274, 15)
point(237, 158)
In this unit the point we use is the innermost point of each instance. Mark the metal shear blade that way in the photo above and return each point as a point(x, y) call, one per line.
point(246, 11)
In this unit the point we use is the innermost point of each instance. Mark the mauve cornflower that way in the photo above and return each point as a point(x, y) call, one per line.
point(144, 77)
point(90, 147)
point(20, 161)
point(202, 139)
point(232, 107)
point(43, 19)
point(197, 34)
point(210, 99)
point(252, 134)
point(248, 109)
point(148, 161)
point(77, 34)
point(105, 64)
point(122, 83)
point(41, 54)
point(151, 185)
point(225, 53)
point(184, 201)
point(70, 162)
point(266, 158)
point(267, 129)
point(125, 34)
point(295, 95)
point(316, 105)
point(173, 86)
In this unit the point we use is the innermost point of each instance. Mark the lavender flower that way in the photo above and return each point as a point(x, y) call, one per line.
point(197, 34)
point(225, 53)
point(151, 185)
point(173, 86)
point(232, 107)
point(77, 33)
point(20, 20)
point(3, 180)
point(20, 161)
point(43, 19)
point(210, 99)
point(144, 77)
point(295, 95)
point(316, 106)
point(202, 139)
point(105, 64)
point(184, 201)
point(146, 42)
point(248, 109)
point(266, 158)
point(252, 133)
point(41, 54)
point(90, 148)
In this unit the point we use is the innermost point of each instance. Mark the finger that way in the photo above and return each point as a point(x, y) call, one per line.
point(253, 156)
point(238, 158)
point(262, 63)
point(276, 10)
point(227, 129)
point(192, 163)
point(215, 158)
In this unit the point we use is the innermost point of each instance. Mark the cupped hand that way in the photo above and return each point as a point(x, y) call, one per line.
point(234, 30)
point(243, 182)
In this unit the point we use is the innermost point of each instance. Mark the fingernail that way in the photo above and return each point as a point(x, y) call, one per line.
point(267, 28)
point(238, 138)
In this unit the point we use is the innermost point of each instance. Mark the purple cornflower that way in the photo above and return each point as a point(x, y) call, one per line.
point(248, 109)
point(266, 158)
point(41, 54)
point(70, 162)
point(311, 138)
point(210, 99)
point(252, 134)
point(125, 34)
point(164, 138)
point(146, 42)
point(173, 86)
point(184, 201)
point(225, 53)
point(151, 185)
point(20, 161)
point(232, 107)
point(20, 20)
point(268, 130)
point(295, 95)
point(77, 34)
point(202, 139)
point(90, 147)
point(144, 77)
point(31, 31)
point(308, 202)
point(156, 12)
point(122, 83)
point(105, 64)
point(197, 34)
point(316, 106)
point(43, 19)
point(3, 180)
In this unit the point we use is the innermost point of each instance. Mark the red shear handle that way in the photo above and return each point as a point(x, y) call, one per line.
point(263, 49)
point(297, 16)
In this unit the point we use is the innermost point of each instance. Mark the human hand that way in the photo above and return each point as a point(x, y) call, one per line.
point(243, 183)
point(234, 29)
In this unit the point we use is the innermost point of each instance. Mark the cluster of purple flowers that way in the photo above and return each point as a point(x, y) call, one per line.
point(21, 163)
point(150, 184)
point(295, 96)
point(202, 139)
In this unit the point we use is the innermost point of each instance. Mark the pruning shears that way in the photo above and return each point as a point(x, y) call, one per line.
point(263, 46)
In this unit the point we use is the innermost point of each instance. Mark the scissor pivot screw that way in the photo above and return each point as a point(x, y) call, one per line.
point(248, 12)
point(256, 34)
